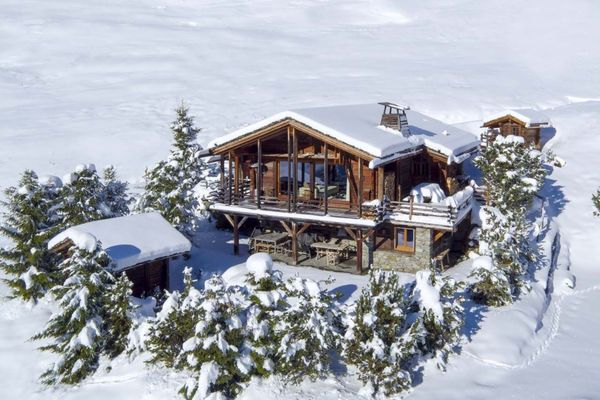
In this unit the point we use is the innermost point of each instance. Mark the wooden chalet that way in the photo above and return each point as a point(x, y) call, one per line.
point(346, 187)
point(526, 123)
point(142, 246)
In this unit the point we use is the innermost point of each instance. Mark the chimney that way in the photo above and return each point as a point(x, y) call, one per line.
point(394, 117)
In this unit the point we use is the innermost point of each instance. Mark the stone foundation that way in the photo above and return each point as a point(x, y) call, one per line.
point(407, 262)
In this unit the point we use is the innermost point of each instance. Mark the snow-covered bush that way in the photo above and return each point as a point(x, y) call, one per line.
point(596, 201)
point(439, 316)
point(174, 324)
point(217, 354)
point(81, 331)
point(491, 286)
point(307, 332)
point(29, 221)
point(390, 330)
point(376, 341)
point(170, 184)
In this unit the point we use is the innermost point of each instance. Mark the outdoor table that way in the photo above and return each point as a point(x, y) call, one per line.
point(268, 242)
point(331, 251)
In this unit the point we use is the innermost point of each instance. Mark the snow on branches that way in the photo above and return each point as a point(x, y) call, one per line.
point(170, 183)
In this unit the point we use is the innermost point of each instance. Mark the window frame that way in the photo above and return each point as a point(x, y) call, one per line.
point(405, 248)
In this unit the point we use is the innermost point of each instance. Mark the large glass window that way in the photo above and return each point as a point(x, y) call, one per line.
point(337, 186)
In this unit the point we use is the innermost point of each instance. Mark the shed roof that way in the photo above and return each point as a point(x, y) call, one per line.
point(358, 126)
point(528, 116)
point(130, 240)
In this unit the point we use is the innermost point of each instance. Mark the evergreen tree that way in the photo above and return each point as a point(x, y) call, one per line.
point(117, 308)
point(79, 329)
point(439, 315)
point(29, 222)
point(491, 286)
point(170, 184)
point(596, 202)
point(217, 354)
point(307, 332)
point(82, 197)
point(174, 324)
point(376, 339)
point(115, 195)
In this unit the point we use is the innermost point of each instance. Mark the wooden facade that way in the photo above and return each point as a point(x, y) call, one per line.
point(299, 173)
point(510, 125)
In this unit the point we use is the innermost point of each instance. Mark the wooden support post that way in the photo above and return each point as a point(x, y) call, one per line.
point(289, 169)
point(295, 166)
point(236, 177)
point(236, 236)
point(360, 186)
point(229, 178)
point(326, 178)
point(294, 243)
point(359, 250)
point(222, 165)
point(380, 183)
point(259, 172)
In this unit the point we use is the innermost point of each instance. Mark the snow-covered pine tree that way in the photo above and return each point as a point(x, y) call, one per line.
point(117, 308)
point(491, 286)
point(217, 354)
point(78, 329)
point(596, 202)
point(29, 222)
point(512, 173)
point(170, 184)
point(307, 333)
point(174, 324)
point(439, 315)
point(376, 341)
point(82, 197)
point(115, 194)
point(267, 303)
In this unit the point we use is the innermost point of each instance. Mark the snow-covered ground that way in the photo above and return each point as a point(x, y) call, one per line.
point(97, 82)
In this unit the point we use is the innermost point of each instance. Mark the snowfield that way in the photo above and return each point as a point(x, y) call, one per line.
point(97, 82)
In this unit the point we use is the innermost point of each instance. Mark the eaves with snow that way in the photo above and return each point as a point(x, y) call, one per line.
point(359, 126)
point(129, 240)
point(529, 117)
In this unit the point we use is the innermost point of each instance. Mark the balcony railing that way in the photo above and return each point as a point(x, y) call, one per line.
point(403, 211)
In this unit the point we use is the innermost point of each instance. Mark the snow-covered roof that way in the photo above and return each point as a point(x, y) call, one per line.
point(528, 116)
point(358, 126)
point(131, 239)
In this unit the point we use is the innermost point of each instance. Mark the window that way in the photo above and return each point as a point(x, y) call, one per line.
point(405, 239)
point(337, 182)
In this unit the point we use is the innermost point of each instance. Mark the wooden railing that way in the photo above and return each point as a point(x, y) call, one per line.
point(244, 197)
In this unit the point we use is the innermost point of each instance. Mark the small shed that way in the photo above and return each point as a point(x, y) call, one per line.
point(139, 245)
point(523, 122)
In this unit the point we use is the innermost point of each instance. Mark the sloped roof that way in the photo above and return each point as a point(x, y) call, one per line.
point(358, 126)
point(528, 116)
point(132, 239)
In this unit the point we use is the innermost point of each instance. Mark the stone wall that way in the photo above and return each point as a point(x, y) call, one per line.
point(407, 262)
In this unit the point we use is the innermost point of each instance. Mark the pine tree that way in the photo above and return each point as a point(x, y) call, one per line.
point(170, 184)
point(29, 223)
point(174, 324)
point(596, 202)
point(376, 339)
point(82, 197)
point(439, 315)
point(267, 303)
point(115, 194)
point(217, 354)
point(491, 286)
point(77, 328)
point(307, 332)
point(117, 316)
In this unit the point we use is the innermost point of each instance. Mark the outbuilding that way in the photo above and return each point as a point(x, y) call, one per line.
point(143, 246)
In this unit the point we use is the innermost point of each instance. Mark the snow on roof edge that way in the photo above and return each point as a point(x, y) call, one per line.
point(528, 116)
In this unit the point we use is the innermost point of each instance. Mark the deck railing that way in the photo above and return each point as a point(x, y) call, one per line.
point(408, 210)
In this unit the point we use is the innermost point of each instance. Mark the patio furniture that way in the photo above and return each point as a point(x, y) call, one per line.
point(269, 242)
point(332, 252)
